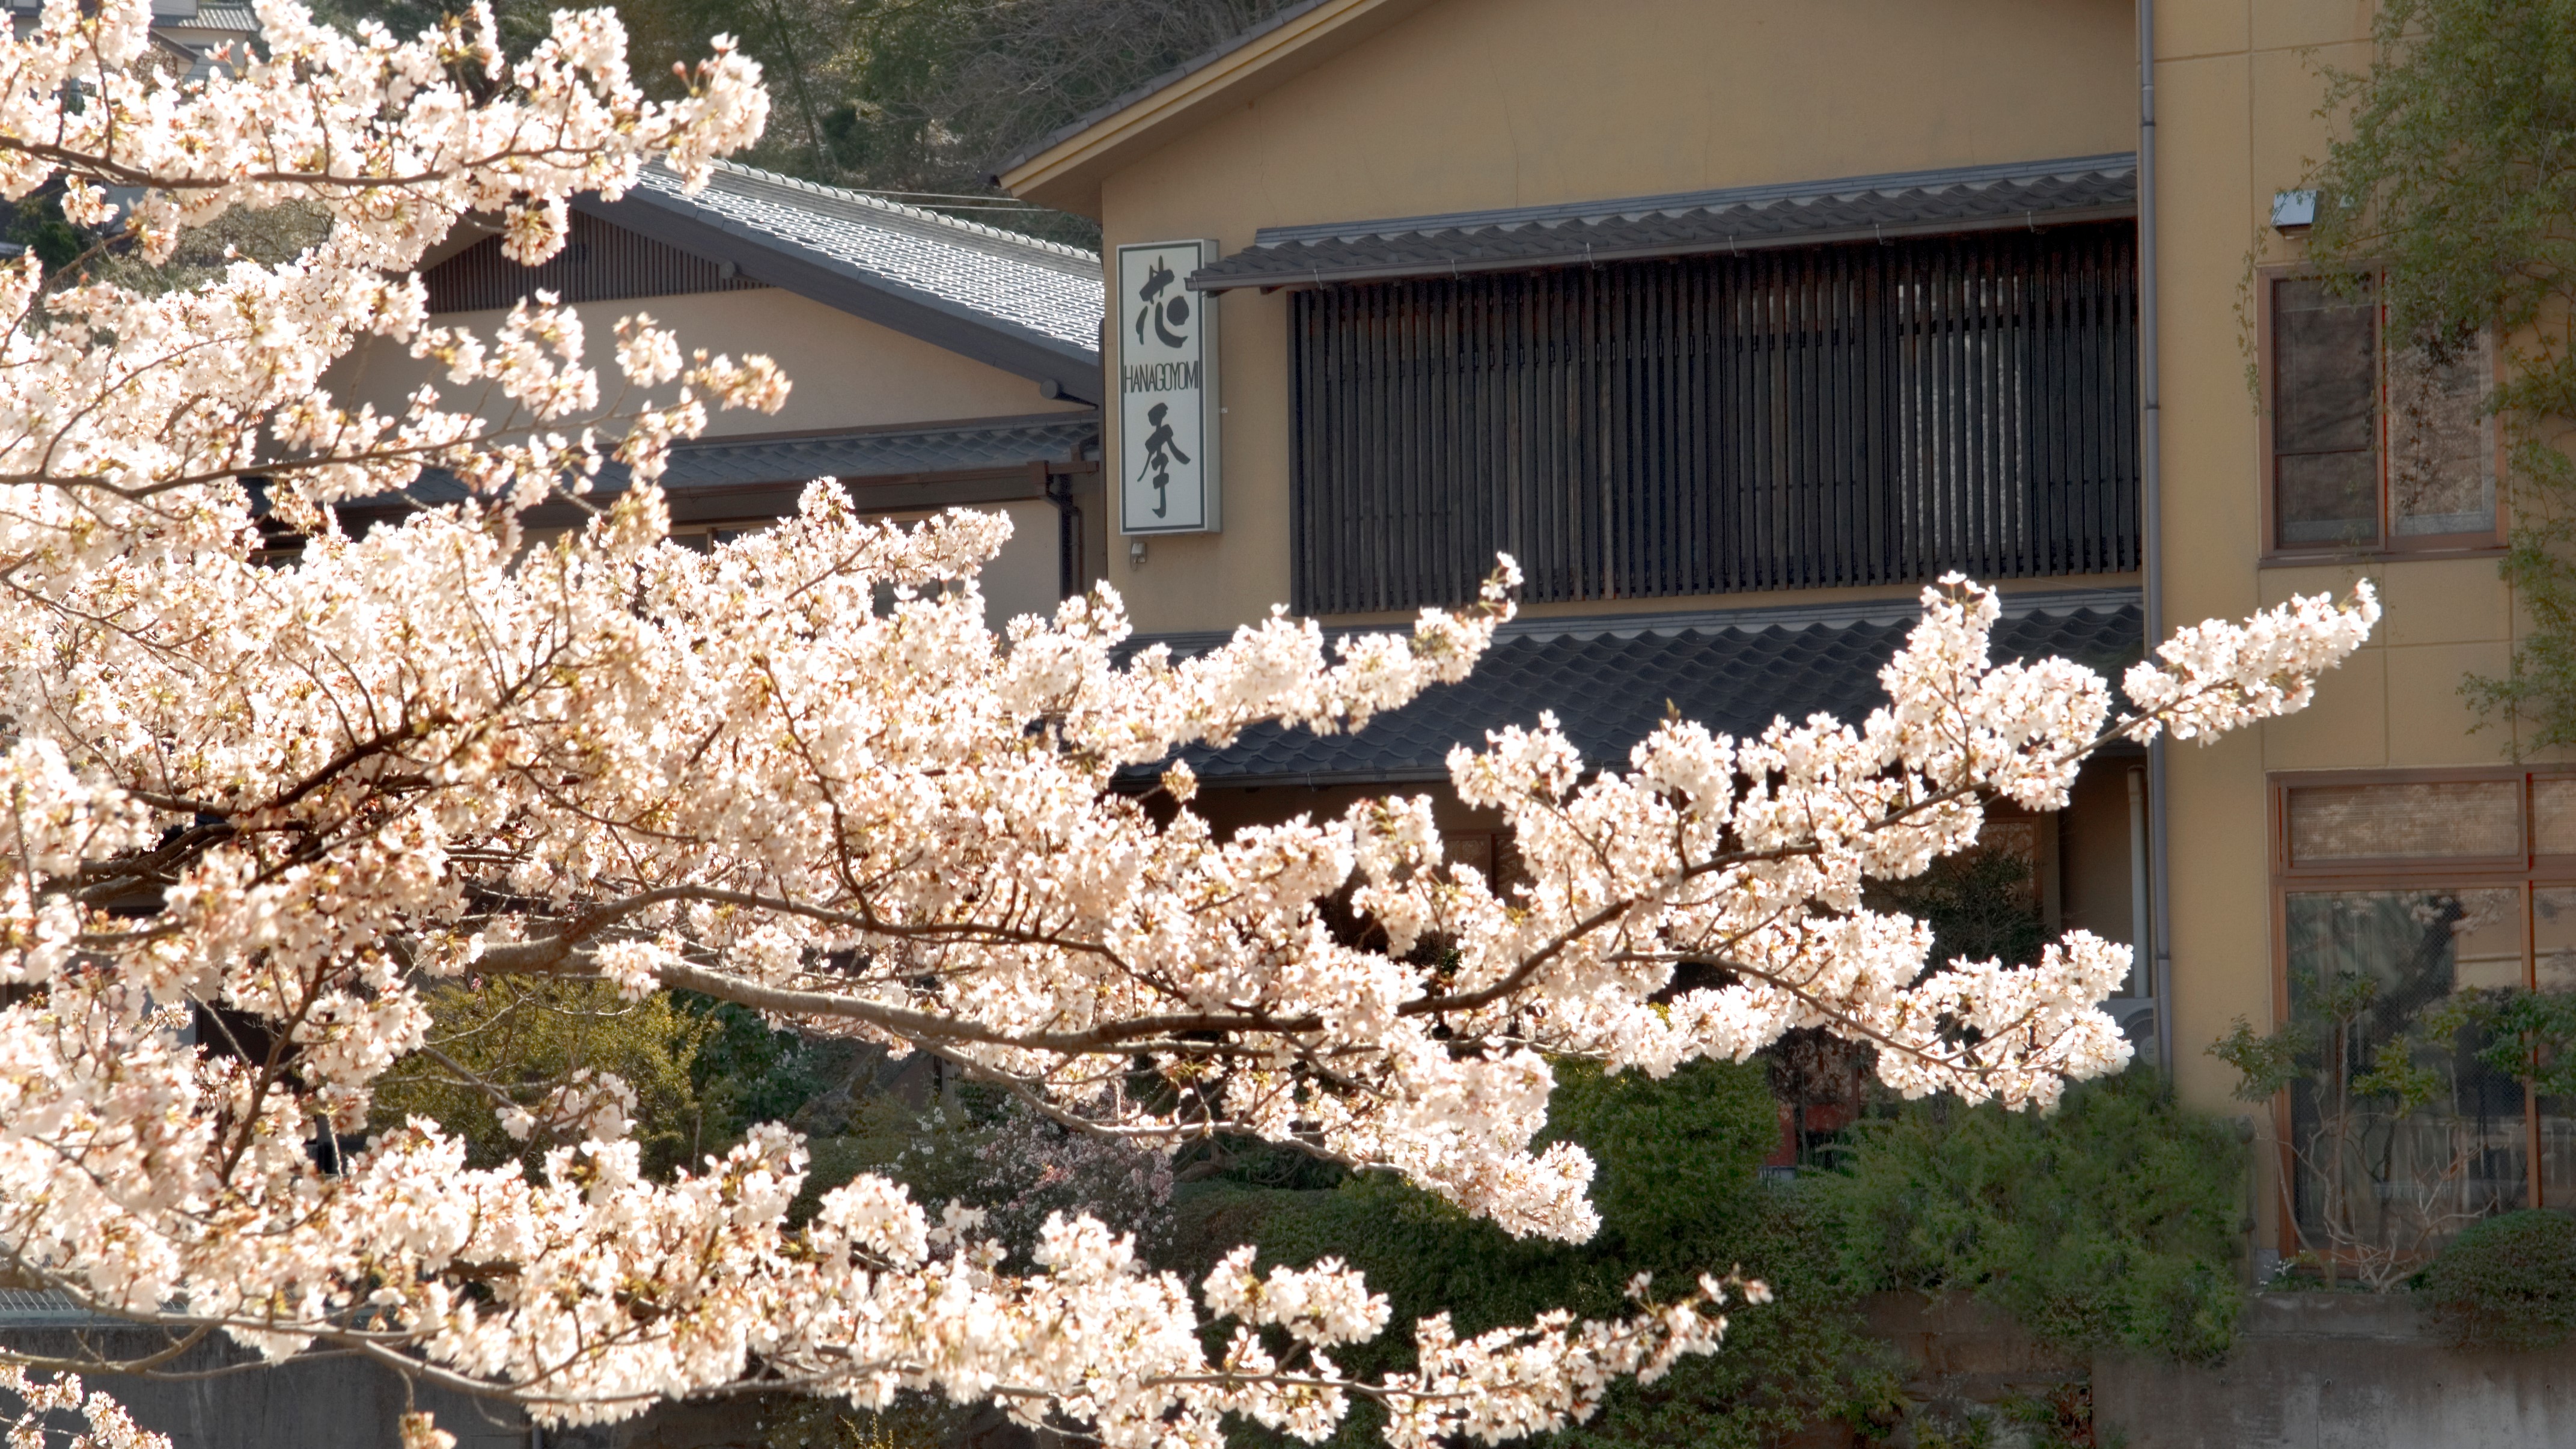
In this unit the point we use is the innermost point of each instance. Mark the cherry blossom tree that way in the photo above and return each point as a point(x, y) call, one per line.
point(47, 1408)
point(255, 806)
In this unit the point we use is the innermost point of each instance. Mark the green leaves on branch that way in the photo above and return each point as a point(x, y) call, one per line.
point(2456, 177)
point(2529, 1036)
point(702, 1072)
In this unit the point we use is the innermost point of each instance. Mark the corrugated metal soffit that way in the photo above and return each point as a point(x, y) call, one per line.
point(600, 262)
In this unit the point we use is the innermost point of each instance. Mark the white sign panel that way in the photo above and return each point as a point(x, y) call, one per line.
point(1167, 410)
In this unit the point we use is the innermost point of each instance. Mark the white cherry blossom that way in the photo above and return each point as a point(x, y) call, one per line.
point(44, 1405)
point(284, 793)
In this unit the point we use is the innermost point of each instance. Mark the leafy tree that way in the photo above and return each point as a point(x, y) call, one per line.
point(502, 1053)
point(1981, 904)
point(919, 98)
point(2457, 175)
point(37, 224)
point(746, 1071)
point(941, 90)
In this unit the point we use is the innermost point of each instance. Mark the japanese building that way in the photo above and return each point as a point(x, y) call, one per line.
point(1737, 324)
point(934, 362)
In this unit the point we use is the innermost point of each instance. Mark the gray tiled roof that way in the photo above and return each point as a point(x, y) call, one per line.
point(1609, 680)
point(879, 452)
point(1044, 288)
point(25, 1308)
point(223, 17)
point(1740, 218)
point(708, 467)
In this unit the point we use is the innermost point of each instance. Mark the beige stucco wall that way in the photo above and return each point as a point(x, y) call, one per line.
point(2238, 89)
point(1022, 578)
point(847, 372)
point(2094, 888)
point(1485, 103)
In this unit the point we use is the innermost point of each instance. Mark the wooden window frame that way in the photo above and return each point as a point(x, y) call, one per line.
point(2391, 545)
point(2527, 872)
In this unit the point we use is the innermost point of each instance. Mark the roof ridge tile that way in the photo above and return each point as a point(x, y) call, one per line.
point(1040, 291)
point(937, 219)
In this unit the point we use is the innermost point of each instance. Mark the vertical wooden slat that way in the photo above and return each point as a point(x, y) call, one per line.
point(1845, 416)
point(600, 262)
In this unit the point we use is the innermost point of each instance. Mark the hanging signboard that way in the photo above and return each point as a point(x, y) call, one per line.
point(1167, 408)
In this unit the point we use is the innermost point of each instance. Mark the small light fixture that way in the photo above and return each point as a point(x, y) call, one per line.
point(2293, 210)
point(1136, 553)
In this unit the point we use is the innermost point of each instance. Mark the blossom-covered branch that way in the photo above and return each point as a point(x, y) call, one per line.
point(273, 799)
point(46, 1408)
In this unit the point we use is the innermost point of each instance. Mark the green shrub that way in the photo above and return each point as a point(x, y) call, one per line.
point(2509, 1281)
point(2110, 1220)
point(1679, 1192)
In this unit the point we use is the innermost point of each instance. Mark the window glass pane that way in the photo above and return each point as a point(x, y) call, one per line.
point(2553, 937)
point(2553, 951)
point(2558, 1153)
point(2553, 816)
point(2401, 1136)
point(2436, 820)
point(2327, 498)
point(2440, 477)
point(2325, 369)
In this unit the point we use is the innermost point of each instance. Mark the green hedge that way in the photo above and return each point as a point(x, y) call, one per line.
point(2113, 1219)
point(2509, 1281)
point(1679, 1193)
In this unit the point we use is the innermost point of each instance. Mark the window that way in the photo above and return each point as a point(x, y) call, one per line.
point(2372, 447)
point(2411, 911)
point(1794, 418)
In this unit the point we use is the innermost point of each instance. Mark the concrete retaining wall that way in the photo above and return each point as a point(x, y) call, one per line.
point(2341, 1371)
point(315, 1404)
point(2311, 1371)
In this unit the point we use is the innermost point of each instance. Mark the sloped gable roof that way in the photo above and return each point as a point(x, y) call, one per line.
point(1023, 305)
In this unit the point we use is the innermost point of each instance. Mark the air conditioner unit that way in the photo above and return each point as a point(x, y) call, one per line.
point(2137, 1018)
point(2294, 210)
